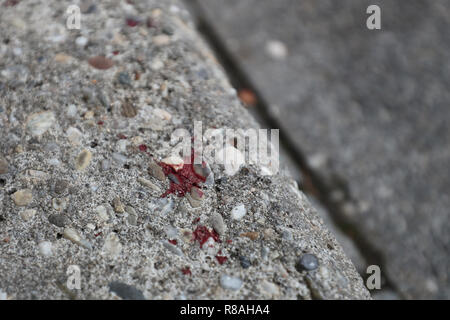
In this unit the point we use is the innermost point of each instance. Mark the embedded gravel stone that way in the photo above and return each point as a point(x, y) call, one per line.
point(230, 283)
point(307, 262)
point(22, 197)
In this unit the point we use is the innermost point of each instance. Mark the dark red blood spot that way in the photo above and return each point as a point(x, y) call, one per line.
point(132, 22)
point(121, 136)
point(116, 52)
point(143, 147)
point(96, 235)
point(202, 234)
point(221, 259)
point(174, 242)
point(186, 271)
point(100, 123)
point(181, 181)
point(229, 241)
point(196, 220)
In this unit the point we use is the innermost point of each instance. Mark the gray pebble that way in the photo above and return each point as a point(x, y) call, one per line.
point(307, 262)
point(58, 220)
point(124, 79)
point(245, 262)
point(126, 291)
point(217, 223)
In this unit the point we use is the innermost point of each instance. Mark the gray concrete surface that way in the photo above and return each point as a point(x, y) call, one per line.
point(82, 115)
point(370, 112)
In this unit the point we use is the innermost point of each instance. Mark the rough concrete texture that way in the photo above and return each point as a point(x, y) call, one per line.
point(370, 112)
point(78, 135)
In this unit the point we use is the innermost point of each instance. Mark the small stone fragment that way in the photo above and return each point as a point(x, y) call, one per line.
point(83, 160)
point(128, 110)
point(172, 248)
point(238, 212)
point(59, 204)
point(124, 79)
point(61, 186)
point(105, 164)
point(307, 262)
point(72, 235)
point(100, 62)
point(3, 165)
point(251, 235)
point(217, 223)
point(28, 214)
point(161, 40)
point(197, 193)
point(39, 123)
point(269, 289)
point(174, 161)
point(81, 41)
point(156, 171)
point(118, 205)
point(276, 49)
point(230, 283)
point(61, 58)
point(102, 213)
point(245, 262)
point(162, 114)
point(148, 184)
point(112, 246)
point(74, 136)
point(22, 197)
point(45, 248)
point(126, 291)
point(58, 220)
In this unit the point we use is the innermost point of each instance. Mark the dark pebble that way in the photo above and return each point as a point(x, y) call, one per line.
point(173, 178)
point(126, 291)
point(58, 220)
point(124, 79)
point(61, 186)
point(245, 262)
point(307, 262)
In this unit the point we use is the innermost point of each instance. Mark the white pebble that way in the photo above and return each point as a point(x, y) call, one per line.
point(45, 248)
point(230, 283)
point(174, 161)
point(81, 41)
point(39, 123)
point(276, 49)
point(238, 212)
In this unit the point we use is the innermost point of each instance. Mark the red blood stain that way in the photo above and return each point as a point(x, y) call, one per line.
point(202, 234)
point(100, 123)
point(196, 220)
point(116, 52)
point(132, 22)
point(143, 147)
point(186, 271)
point(229, 241)
point(182, 180)
point(174, 242)
point(96, 235)
point(121, 136)
point(221, 259)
